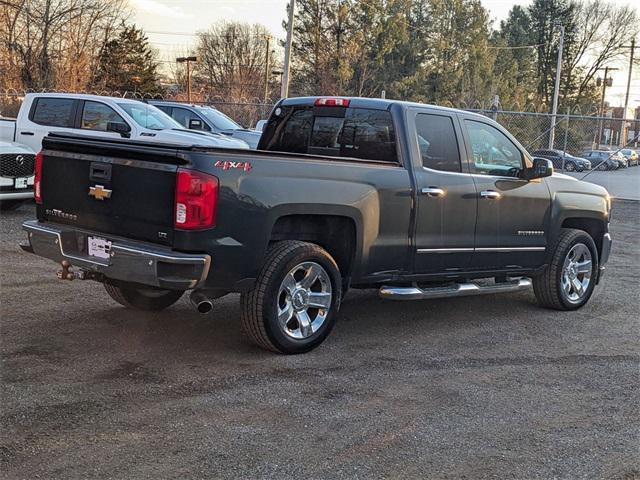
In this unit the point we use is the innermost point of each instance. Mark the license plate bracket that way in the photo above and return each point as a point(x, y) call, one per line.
point(98, 247)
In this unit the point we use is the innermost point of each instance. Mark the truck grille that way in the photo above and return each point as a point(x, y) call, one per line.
point(16, 165)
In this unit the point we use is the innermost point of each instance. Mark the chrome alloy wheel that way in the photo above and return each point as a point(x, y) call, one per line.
point(576, 272)
point(304, 300)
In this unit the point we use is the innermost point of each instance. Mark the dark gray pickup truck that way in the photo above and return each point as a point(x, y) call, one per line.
point(417, 201)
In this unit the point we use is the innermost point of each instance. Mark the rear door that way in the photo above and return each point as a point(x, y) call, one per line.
point(446, 195)
point(47, 114)
point(513, 213)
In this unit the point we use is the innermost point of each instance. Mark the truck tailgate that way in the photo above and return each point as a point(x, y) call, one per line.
point(109, 194)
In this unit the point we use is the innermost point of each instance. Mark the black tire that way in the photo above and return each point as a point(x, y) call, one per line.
point(259, 307)
point(548, 285)
point(142, 298)
point(8, 205)
point(570, 167)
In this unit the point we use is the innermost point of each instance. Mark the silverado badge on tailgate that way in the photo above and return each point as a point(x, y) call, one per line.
point(99, 192)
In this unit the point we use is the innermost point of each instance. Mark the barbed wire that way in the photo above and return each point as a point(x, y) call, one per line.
point(202, 95)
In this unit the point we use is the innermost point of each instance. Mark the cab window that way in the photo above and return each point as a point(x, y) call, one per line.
point(96, 116)
point(54, 112)
point(437, 142)
point(183, 116)
point(493, 152)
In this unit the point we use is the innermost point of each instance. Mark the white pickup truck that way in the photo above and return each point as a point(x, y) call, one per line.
point(42, 113)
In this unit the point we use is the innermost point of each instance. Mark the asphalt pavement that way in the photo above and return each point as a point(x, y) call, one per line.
point(474, 388)
point(623, 183)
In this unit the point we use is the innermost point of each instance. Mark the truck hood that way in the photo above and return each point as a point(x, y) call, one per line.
point(13, 147)
point(559, 182)
point(191, 137)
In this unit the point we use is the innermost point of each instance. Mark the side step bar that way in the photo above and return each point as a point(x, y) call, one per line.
point(454, 290)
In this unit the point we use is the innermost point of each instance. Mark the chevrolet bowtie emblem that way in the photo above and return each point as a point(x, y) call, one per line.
point(99, 192)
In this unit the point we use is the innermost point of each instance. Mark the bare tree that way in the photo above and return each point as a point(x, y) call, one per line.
point(53, 43)
point(603, 30)
point(231, 60)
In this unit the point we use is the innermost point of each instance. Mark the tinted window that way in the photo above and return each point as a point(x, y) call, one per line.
point(334, 131)
point(95, 116)
point(163, 108)
point(56, 112)
point(183, 116)
point(493, 152)
point(438, 143)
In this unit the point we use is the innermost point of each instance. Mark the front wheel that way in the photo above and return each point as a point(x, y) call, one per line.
point(569, 167)
point(293, 306)
point(142, 298)
point(568, 281)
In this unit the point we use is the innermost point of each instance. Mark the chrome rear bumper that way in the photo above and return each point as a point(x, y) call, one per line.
point(128, 261)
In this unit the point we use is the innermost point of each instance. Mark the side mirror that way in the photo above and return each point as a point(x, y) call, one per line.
point(195, 124)
point(541, 168)
point(119, 127)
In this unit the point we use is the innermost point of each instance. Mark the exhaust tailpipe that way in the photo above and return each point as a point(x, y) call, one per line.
point(201, 302)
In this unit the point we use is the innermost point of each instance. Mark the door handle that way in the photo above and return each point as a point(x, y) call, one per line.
point(432, 191)
point(27, 133)
point(490, 194)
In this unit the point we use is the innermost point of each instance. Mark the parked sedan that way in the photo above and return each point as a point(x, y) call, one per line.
point(604, 160)
point(208, 119)
point(557, 157)
point(630, 155)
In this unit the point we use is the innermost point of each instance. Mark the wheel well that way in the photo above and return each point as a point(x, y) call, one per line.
point(337, 235)
point(595, 228)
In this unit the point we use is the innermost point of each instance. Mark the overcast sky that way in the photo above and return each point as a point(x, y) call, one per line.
point(171, 24)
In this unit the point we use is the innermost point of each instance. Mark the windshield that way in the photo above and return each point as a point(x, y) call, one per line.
point(148, 116)
point(219, 119)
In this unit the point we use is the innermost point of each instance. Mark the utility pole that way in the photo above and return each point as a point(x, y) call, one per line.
point(188, 61)
point(284, 89)
point(556, 88)
point(606, 82)
point(623, 130)
point(266, 69)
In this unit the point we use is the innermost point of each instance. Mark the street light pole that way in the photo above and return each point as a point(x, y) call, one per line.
point(188, 61)
point(556, 88)
point(284, 89)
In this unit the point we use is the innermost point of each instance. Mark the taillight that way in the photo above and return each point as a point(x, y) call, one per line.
point(332, 102)
point(196, 200)
point(37, 179)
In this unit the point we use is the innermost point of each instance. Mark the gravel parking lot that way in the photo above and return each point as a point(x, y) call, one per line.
point(478, 387)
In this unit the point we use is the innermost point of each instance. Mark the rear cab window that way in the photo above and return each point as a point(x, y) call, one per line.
point(332, 131)
point(54, 112)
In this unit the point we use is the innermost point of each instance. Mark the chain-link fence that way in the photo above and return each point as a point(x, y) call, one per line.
point(246, 111)
point(574, 133)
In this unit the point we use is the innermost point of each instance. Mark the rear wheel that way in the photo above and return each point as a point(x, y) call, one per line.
point(142, 298)
point(296, 297)
point(568, 281)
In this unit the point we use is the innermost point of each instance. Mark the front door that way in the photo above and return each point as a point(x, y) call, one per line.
point(513, 213)
point(446, 199)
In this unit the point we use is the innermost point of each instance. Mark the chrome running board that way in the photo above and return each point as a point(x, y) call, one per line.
point(454, 290)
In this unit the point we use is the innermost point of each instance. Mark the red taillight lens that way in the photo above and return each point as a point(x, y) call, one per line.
point(332, 102)
point(196, 200)
point(37, 179)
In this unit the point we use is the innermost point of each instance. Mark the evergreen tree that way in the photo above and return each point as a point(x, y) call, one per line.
point(127, 63)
